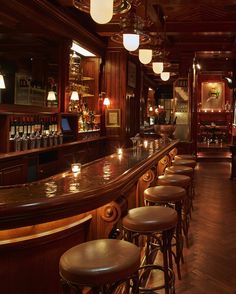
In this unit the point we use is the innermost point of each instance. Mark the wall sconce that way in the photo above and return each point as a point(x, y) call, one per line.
point(2, 83)
point(106, 102)
point(51, 96)
point(157, 67)
point(165, 76)
point(74, 96)
point(145, 55)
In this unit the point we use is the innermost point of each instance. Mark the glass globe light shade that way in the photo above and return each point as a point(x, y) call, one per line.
point(101, 11)
point(74, 96)
point(2, 83)
point(145, 55)
point(165, 75)
point(157, 67)
point(131, 41)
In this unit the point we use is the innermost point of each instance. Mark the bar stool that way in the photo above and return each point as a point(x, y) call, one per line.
point(157, 224)
point(187, 171)
point(174, 197)
point(184, 182)
point(101, 265)
point(186, 156)
point(188, 162)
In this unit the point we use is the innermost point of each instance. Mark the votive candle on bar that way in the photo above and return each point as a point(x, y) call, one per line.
point(145, 143)
point(76, 168)
point(119, 151)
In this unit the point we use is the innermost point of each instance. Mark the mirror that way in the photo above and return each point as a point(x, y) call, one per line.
point(29, 64)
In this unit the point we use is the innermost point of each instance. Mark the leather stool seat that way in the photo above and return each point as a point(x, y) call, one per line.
point(185, 156)
point(187, 162)
point(164, 194)
point(150, 219)
point(99, 262)
point(180, 169)
point(174, 180)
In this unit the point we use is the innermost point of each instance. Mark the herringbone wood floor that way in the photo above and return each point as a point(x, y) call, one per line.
point(210, 261)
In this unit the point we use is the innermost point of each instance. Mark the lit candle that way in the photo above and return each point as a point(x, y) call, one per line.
point(145, 143)
point(76, 168)
point(119, 151)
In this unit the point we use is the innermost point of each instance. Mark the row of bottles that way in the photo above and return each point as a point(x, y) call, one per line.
point(33, 132)
point(87, 120)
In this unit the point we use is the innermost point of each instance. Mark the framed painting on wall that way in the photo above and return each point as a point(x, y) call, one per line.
point(212, 95)
point(112, 118)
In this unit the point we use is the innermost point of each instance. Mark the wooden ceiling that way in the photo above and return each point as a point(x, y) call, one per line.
point(200, 29)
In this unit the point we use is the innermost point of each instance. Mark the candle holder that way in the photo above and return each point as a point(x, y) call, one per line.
point(145, 143)
point(76, 168)
point(119, 151)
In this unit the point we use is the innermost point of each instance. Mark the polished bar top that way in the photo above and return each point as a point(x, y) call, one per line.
point(66, 194)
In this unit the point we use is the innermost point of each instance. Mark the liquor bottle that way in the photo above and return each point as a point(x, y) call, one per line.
point(25, 125)
point(20, 127)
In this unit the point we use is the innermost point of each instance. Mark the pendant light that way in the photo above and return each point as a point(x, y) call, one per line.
point(2, 83)
point(165, 75)
point(131, 41)
point(101, 11)
point(145, 55)
point(157, 67)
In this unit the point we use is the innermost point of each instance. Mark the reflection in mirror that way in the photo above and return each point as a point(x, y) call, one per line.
point(29, 65)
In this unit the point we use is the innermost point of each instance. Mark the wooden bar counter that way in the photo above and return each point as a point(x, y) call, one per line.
point(41, 220)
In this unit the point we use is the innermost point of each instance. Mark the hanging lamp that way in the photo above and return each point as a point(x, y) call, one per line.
point(101, 14)
point(145, 56)
point(165, 75)
point(102, 11)
point(158, 67)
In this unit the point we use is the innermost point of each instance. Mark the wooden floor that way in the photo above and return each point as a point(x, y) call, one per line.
point(210, 261)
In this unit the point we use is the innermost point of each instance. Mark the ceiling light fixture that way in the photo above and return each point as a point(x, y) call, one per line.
point(145, 56)
point(132, 32)
point(102, 11)
point(158, 67)
point(165, 75)
point(82, 51)
point(101, 14)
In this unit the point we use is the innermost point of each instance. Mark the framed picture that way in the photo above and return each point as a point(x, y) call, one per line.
point(112, 118)
point(131, 74)
point(212, 95)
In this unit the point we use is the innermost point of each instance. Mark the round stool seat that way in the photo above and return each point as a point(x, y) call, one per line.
point(180, 169)
point(99, 262)
point(164, 194)
point(187, 162)
point(150, 219)
point(185, 156)
point(174, 180)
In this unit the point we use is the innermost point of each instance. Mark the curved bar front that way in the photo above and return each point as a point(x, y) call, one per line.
point(41, 220)
point(65, 194)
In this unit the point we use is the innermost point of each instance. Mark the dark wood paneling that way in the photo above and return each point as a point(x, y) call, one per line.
point(31, 266)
